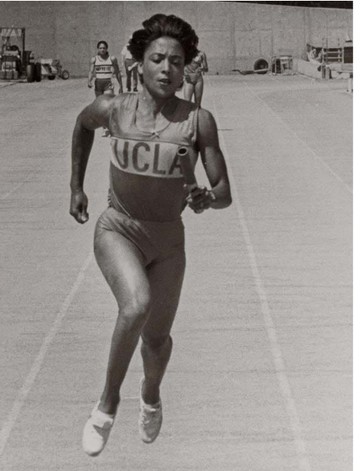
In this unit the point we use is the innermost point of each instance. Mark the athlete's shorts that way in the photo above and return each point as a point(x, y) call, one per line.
point(157, 241)
point(193, 78)
point(102, 86)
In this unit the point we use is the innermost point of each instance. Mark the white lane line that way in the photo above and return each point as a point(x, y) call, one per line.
point(278, 360)
point(16, 187)
point(37, 364)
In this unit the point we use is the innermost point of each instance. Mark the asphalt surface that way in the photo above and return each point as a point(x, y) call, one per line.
point(261, 373)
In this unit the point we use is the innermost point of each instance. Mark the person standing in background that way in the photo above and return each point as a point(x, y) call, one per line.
point(104, 67)
point(131, 69)
point(193, 75)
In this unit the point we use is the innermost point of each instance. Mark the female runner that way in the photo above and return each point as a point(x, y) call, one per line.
point(139, 238)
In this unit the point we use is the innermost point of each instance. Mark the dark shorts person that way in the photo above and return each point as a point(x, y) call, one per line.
point(103, 86)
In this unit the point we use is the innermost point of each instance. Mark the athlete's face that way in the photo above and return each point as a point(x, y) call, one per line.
point(102, 50)
point(163, 67)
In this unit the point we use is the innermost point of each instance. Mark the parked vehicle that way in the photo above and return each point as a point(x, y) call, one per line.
point(52, 68)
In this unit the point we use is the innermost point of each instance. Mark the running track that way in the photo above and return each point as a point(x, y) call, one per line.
point(261, 373)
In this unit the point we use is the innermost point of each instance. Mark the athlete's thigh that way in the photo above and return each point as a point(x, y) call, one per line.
point(99, 88)
point(122, 265)
point(109, 88)
point(166, 279)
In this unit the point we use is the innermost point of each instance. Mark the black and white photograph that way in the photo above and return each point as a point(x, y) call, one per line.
point(176, 236)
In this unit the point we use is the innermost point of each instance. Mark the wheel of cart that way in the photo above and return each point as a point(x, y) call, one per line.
point(261, 66)
point(30, 72)
point(65, 74)
point(38, 72)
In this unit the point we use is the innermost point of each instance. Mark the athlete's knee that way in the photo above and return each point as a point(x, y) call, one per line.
point(157, 342)
point(134, 312)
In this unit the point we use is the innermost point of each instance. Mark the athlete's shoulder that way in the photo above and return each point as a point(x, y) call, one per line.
point(185, 109)
point(125, 101)
point(96, 110)
point(104, 102)
point(205, 114)
point(182, 100)
point(190, 106)
point(206, 121)
point(93, 59)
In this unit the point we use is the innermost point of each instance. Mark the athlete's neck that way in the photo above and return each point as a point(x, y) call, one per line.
point(150, 104)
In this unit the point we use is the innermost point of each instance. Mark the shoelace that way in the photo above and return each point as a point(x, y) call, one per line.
point(147, 415)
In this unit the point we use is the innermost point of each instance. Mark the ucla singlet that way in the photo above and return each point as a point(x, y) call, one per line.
point(146, 181)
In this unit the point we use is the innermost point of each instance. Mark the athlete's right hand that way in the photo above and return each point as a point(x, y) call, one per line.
point(78, 206)
point(89, 84)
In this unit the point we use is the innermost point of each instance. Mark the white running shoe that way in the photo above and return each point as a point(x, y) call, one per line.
point(150, 419)
point(96, 431)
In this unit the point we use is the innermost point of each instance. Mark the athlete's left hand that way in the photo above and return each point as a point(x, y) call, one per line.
point(199, 199)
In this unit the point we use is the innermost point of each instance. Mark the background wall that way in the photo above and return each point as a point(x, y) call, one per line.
point(233, 34)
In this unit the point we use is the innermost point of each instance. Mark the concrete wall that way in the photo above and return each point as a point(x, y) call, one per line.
point(233, 34)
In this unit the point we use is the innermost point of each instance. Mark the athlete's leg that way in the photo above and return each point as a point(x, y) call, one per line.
point(99, 87)
point(188, 90)
point(198, 92)
point(109, 88)
point(135, 78)
point(122, 266)
point(166, 281)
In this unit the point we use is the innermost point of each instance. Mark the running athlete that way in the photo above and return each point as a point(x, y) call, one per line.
point(103, 67)
point(139, 238)
point(194, 82)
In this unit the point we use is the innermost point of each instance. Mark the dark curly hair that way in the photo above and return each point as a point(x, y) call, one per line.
point(164, 25)
point(102, 42)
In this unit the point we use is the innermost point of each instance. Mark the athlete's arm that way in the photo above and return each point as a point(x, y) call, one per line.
point(117, 72)
point(92, 117)
point(135, 64)
point(215, 167)
point(91, 71)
